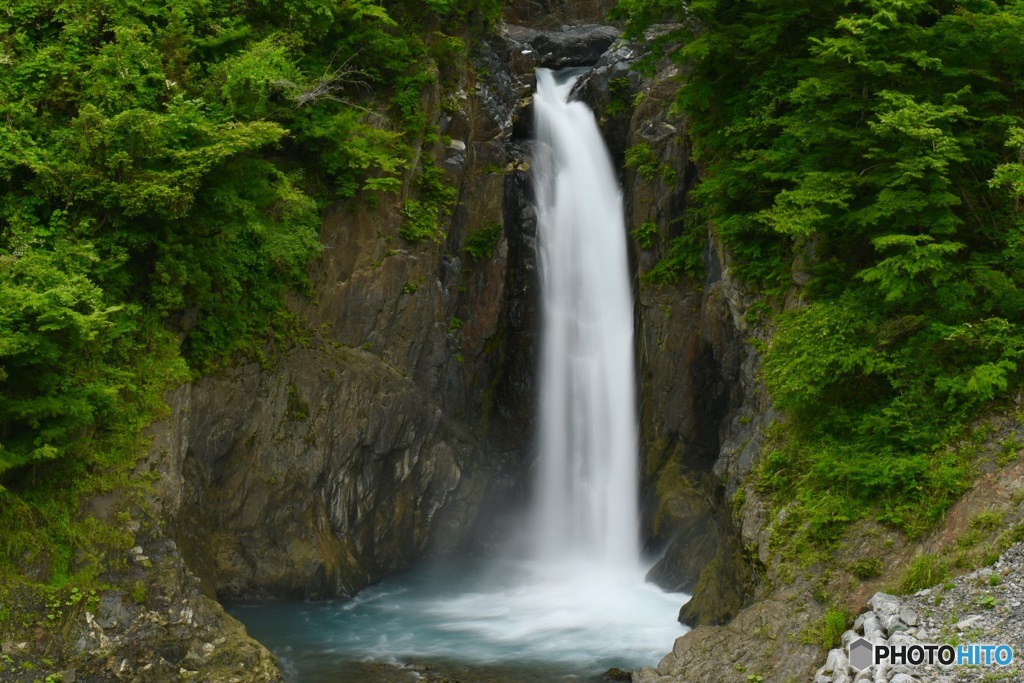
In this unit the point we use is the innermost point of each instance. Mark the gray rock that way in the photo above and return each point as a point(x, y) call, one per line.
point(836, 661)
point(572, 46)
point(865, 675)
point(646, 675)
point(873, 630)
point(908, 616)
point(858, 623)
point(967, 623)
point(884, 604)
point(891, 624)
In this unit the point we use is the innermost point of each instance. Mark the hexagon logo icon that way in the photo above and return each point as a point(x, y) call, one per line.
point(862, 654)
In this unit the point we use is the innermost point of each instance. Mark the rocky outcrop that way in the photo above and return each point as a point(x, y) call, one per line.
point(316, 479)
point(349, 457)
point(146, 621)
point(763, 642)
point(571, 46)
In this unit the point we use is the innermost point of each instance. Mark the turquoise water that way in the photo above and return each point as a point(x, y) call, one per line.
point(507, 622)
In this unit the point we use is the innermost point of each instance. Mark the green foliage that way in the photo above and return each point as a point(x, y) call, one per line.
point(886, 139)
point(421, 221)
point(926, 570)
point(685, 256)
point(424, 218)
point(866, 567)
point(51, 316)
point(162, 171)
point(480, 243)
point(618, 92)
point(646, 234)
point(833, 624)
point(641, 157)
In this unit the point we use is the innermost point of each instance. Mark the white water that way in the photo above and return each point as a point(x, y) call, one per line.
point(578, 603)
point(587, 483)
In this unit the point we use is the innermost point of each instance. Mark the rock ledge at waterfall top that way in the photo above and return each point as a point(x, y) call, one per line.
point(572, 46)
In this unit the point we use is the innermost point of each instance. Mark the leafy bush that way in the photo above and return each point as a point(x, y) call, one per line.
point(480, 243)
point(153, 210)
point(885, 144)
point(646, 234)
point(833, 624)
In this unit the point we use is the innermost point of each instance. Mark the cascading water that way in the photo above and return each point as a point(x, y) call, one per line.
point(587, 484)
point(577, 604)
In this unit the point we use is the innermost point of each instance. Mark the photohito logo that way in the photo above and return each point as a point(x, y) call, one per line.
point(863, 654)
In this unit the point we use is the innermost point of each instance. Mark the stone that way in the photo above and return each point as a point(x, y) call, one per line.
point(908, 616)
point(836, 660)
point(901, 638)
point(646, 675)
point(849, 637)
point(884, 604)
point(873, 630)
point(892, 623)
point(902, 678)
point(858, 623)
point(967, 623)
point(573, 46)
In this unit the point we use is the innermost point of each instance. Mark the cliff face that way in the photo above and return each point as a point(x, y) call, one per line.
point(360, 450)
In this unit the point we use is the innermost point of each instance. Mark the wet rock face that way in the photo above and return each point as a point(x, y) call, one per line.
point(571, 46)
point(313, 480)
point(350, 457)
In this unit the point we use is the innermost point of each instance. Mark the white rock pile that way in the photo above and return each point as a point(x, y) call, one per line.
point(981, 608)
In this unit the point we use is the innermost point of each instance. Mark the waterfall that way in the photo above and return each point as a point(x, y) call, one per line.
point(586, 503)
point(578, 603)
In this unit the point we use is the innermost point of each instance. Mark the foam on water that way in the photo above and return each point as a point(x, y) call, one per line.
point(573, 619)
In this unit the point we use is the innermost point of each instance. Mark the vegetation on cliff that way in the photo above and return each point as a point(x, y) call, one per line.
point(875, 149)
point(162, 170)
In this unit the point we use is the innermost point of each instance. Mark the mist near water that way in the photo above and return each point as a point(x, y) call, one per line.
point(568, 599)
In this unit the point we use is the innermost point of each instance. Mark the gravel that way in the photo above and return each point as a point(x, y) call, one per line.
point(985, 607)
